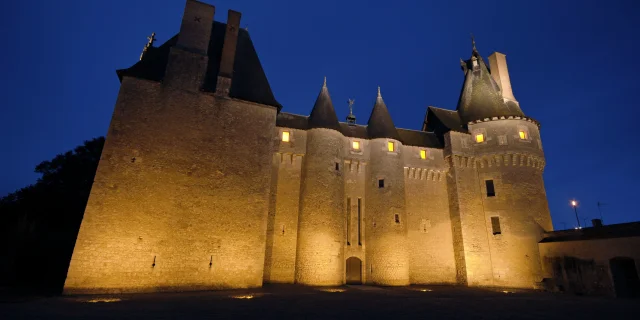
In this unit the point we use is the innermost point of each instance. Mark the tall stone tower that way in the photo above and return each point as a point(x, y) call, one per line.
point(497, 199)
point(181, 195)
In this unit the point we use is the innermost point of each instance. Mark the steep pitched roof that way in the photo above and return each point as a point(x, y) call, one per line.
point(380, 124)
point(249, 80)
point(480, 96)
point(440, 121)
point(323, 115)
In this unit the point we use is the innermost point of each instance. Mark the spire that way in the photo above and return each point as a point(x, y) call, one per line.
point(380, 124)
point(323, 115)
point(480, 97)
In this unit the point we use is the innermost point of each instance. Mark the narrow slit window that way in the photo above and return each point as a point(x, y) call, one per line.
point(390, 146)
point(359, 220)
point(491, 190)
point(348, 221)
point(355, 145)
point(523, 135)
point(423, 154)
point(479, 137)
point(397, 218)
point(285, 136)
point(495, 225)
point(381, 183)
point(337, 166)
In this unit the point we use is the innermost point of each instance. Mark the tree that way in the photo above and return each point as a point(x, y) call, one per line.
point(39, 223)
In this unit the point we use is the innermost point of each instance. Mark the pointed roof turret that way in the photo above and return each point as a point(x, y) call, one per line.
point(323, 115)
point(380, 124)
point(480, 97)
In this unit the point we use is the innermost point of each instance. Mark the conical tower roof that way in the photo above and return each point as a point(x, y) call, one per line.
point(480, 97)
point(323, 115)
point(380, 124)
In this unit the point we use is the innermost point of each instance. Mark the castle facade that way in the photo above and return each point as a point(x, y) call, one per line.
point(206, 183)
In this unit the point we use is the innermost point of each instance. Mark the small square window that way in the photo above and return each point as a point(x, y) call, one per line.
point(355, 145)
point(423, 154)
point(285, 136)
point(491, 191)
point(397, 218)
point(390, 146)
point(523, 134)
point(479, 137)
point(381, 183)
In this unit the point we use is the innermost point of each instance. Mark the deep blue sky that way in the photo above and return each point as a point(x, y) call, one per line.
point(573, 67)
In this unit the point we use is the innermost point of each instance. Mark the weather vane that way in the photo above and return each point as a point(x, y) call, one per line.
point(351, 119)
point(473, 42)
point(149, 44)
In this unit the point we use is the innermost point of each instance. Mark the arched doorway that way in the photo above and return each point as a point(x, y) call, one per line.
point(625, 277)
point(354, 271)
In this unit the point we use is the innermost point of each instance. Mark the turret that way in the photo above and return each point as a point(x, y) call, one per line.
point(320, 255)
point(386, 250)
point(498, 202)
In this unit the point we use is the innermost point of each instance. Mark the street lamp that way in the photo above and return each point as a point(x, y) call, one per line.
point(574, 204)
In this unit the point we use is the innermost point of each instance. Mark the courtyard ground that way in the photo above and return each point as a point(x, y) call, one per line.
point(353, 302)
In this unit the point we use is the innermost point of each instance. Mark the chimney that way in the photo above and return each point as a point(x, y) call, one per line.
point(188, 59)
point(596, 223)
point(500, 73)
point(225, 75)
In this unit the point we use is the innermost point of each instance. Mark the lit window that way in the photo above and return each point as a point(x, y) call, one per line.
point(479, 137)
point(523, 134)
point(285, 136)
point(390, 146)
point(355, 145)
point(423, 154)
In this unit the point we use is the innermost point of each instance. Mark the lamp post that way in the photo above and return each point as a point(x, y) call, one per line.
point(574, 204)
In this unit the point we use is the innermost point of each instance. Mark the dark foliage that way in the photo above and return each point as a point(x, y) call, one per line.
point(39, 223)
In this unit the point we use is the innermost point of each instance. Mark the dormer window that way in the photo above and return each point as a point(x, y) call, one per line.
point(523, 135)
point(391, 146)
point(355, 145)
point(285, 136)
point(479, 138)
point(423, 154)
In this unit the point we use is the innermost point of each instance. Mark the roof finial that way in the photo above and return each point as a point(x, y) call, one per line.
point(324, 84)
point(473, 42)
point(379, 95)
point(351, 119)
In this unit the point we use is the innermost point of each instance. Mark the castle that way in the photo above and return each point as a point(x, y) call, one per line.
point(205, 183)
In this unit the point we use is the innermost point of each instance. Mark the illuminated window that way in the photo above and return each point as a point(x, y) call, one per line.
point(390, 146)
point(285, 136)
point(355, 145)
point(479, 137)
point(423, 154)
point(523, 134)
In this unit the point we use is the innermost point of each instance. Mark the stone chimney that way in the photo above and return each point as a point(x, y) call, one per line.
point(225, 75)
point(500, 73)
point(188, 59)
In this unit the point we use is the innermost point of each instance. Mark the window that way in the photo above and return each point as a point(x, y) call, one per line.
point(285, 136)
point(423, 154)
point(397, 218)
point(523, 135)
point(348, 221)
point(491, 191)
point(495, 225)
point(355, 145)
point(337, 166)
point(391, 146)
point(479, 137)
point(502, 140)
point(359, 219)
point(381, 183)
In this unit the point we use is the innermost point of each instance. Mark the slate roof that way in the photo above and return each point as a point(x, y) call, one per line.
point(407, 137)
point(249, 80)
point(480, 96)
point(380, 124)
point(323, 115)
point(440, 121)
point(621, 230)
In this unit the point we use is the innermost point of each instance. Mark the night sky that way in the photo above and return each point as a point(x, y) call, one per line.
point(573, 67)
